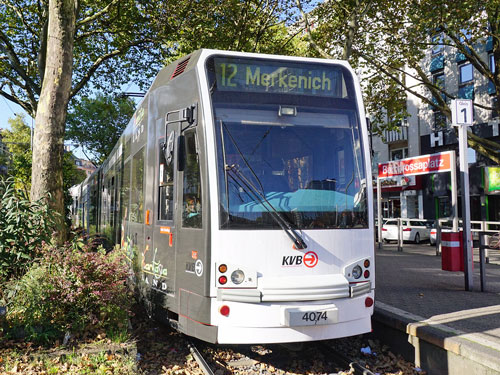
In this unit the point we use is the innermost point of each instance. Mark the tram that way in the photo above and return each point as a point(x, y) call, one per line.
point(241, 190)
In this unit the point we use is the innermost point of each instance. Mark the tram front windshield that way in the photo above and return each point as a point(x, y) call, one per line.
point(284, 151)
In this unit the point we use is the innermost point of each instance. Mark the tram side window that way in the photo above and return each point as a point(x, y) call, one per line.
point(191, 193)
point(165, 188)
point(137, 188)
point(126, 191)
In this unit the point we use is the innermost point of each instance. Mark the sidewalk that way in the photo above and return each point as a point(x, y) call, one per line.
point(449, 330)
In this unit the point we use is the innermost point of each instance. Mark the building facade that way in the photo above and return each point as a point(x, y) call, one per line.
point(427, 131)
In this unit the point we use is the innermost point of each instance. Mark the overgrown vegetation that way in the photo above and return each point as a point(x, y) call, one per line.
point(51, 291)
point(24, 227)
point(69, 289)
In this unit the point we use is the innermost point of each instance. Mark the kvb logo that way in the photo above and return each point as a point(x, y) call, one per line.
point(309, 259)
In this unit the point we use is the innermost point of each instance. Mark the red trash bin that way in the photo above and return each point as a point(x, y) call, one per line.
point(452, 257)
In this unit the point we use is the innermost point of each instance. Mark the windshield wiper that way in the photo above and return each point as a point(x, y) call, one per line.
point(297, 240)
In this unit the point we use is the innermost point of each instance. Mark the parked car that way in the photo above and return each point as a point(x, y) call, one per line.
point(413, 230)
point(446, 226)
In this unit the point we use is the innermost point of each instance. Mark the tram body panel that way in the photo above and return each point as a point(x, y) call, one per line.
point(173, 258)
point(272, 255)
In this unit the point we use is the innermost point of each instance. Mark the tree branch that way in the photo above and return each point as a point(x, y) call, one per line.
point(101, 60)
point(8, 49)
point(470, 54)
point(20, 15)
point(322, 52)
point(484, 146)
point(96, 15)
point(24, 105)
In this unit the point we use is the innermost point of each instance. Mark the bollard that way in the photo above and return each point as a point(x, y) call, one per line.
point(451, 257)
point(400, 235)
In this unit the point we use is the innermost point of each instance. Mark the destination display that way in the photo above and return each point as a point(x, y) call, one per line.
point(277, 77)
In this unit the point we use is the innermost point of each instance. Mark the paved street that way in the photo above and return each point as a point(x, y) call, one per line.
point(412, 281)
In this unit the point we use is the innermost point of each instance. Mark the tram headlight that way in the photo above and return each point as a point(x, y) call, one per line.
point(237, 277)
point(357, 272)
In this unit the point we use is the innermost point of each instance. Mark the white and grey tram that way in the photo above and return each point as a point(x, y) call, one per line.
point(242, 192)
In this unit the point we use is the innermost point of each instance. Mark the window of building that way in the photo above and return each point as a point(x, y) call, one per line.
point(466, 73)
point(437, 42)
point(466, 81)
point(398, 154)
point(191, 194)
point(438, 80)
point(439, 120)
point(491, 85)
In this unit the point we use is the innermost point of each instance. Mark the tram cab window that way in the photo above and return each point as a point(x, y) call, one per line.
point(166, 187)
point(191, 193)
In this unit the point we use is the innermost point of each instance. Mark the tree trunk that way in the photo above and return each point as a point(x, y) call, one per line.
point(48, 143)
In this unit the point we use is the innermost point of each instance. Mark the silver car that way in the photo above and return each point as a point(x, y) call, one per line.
point(413, 230)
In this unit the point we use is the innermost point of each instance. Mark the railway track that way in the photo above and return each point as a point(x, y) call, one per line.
point(320, 358)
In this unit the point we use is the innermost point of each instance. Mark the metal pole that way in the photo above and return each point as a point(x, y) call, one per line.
point(454, 191)
point(438, 238)
point(464, 176)
point(483, 245)
point(379, 213)
point(400, 235)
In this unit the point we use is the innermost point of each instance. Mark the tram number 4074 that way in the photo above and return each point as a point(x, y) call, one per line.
point(314, 316)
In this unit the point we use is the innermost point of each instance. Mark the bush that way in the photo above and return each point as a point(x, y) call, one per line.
point(24, 227)
point(70, 288)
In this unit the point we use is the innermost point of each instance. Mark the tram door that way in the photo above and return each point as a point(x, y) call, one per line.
point(159, 265)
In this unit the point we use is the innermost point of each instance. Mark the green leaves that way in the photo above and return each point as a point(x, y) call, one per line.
point(69, 289)
point(24, 227)
point(97, 123)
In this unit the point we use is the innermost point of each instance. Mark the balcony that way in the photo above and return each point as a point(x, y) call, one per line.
point(392, 136)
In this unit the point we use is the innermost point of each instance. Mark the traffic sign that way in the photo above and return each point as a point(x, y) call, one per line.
point(461, 112)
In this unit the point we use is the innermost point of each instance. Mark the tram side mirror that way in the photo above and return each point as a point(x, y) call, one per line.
point(189, 114)
point(168, 148)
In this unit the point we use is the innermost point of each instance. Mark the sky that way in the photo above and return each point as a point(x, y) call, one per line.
point(9, 110)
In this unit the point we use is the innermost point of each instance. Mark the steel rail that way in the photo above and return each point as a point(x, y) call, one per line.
point(356, 368)
point(199, 359)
